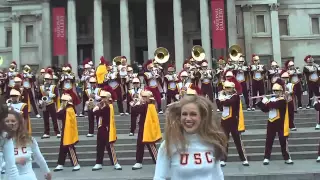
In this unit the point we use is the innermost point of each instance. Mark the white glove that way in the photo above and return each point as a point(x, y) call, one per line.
point(265, 100)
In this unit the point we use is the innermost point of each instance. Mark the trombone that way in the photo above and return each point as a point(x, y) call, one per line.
point(268, 95)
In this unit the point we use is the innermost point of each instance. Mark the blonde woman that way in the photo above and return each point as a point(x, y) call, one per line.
point(194, 142)
point(25, 148)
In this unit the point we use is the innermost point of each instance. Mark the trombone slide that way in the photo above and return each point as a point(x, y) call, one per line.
point(268, 95)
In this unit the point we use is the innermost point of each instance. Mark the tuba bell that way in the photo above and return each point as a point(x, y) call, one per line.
point(117, 60)
point(198, 53)
point(161, 55)
point(235, 52)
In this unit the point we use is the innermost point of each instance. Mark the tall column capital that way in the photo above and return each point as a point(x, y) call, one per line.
point(15, 18)
point(246, 7)
point(274, 6)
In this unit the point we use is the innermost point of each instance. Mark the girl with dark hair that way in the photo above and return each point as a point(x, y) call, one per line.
point(25, 148)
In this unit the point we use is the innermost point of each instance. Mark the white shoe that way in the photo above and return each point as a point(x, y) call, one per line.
point(160, 112)
point(289, 161)
point(222, 164)
point(137, 166)
point(266, 162)
point(58, 168)
point(253, 109)
point(81, 115)
point(218, 110)
point(300, 107)
point(293, 129)
point(3, 171)
point(318, 159)
point(58, 135)
point(308, 107)
point(38, 116)
point(76, 168)
point(245, 163)
point(131, 134)
point(97, 167)
point(89, 135)
point(121, 114)
point(45, 136)
point(317, 127)
point(127, 114)
point(248, 109)
point(118, 167)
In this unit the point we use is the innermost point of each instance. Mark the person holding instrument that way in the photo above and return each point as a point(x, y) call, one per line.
point(107, 133)
point(134, 98)
point(278, 123)
point(230, 101)
point(69, 137)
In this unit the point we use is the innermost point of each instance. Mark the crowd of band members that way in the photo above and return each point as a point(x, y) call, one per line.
point(115, 82)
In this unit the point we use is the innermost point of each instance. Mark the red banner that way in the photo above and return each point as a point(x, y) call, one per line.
point(218, 24)
point(59, 31)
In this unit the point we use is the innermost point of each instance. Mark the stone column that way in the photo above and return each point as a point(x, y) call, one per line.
point(98, 31)
point(205, 29)
point(46, 56)
point(16, 39)
point(132, 38)
point(72, 36)
point(151, 27)
point(106, 34)
point(39, 38)
point(125, 31)
point(276, 47)
point(232, 24)
point(246, 9)
point(178, 34)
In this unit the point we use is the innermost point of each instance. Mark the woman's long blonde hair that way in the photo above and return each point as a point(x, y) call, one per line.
point(21, 135)
point(210, 130)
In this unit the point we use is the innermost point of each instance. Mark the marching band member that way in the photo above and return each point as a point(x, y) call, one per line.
point(184, 84)
point(206, 80)
point(242, 76)
point(278, 123)
point(68, 84)
point(28, 86)
point(25, 148)
point(101, 72)
point(149, 127)
point(290, 98)
point(151, 79)
point(48, 94)
point(93, 96)
point(69, 137)
point(274, 73)
point(3, 85)
point(20, 107)
point(18, 86)
point(114, 81)
point(296, 79)
point(129, 86)
point(170, 84)
point(311, 72)
point(11, 74)
point(86, 84)
point(123, 73)
point(230, 122)
point(194, 142)
point(134, 97)
point(316, 106)
point(257, 73)
point(219, 75)
point(40, 81)
point(107, 133)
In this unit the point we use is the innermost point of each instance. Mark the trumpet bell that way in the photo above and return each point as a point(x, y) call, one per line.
point(44, 98)
point(9, 101)
point(235, 52)
point(161, 55)
point(198, 53)
point(117, 60)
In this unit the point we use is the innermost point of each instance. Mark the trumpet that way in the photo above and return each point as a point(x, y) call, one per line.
point(45, 98)
point(268, 95)
point(9, 102)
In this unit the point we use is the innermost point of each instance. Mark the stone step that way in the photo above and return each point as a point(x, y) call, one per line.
point(84, 159)
point(128, 150)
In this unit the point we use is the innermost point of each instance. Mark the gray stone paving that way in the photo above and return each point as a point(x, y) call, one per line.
point(277, 170)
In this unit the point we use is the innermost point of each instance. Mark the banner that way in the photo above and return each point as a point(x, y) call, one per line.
point(59, 31)
point(218, 24)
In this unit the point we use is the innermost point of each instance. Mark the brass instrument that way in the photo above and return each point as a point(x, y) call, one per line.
point(12, 69)
point(136, 100)
point(64, 104)
point(235, 52)
point(268, 95)
point(9, 102)
point(198, 53)
point(161, 55)
point(117, 60)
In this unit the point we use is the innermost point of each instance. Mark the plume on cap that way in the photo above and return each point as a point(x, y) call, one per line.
point(286, 64)
point(111, 91)
point(19, 76)
point(86, 61)
point(307, 58)
point(102, 60)
point(281, 82)
point(150, 61)
point(49, 71)
point(238, 86)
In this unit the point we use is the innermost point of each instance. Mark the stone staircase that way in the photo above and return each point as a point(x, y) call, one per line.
point(303, 143)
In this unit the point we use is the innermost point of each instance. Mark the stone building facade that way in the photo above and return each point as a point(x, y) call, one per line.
point(272, 29)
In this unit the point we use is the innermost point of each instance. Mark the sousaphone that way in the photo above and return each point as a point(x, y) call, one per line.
point(161, 55)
